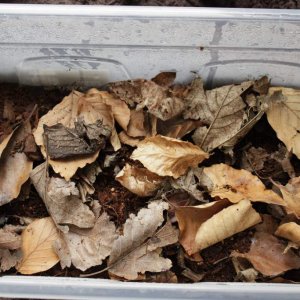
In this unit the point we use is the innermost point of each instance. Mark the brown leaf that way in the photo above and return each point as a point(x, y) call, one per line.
point(190, 218)
point(136, 126)
point(62, 199)
point(128, 140)
point(289, 231)
point(139, 181)
point(9, 259)
point(138, 249)
point(235, 185)
point(266, 255)
point(284, 116)
point(167, 156)
point(37, 247)
point(8, 111)
point(15, 167)
point(268, 225)
point(226, 223)
point(164, 78)
point(10, 238)
point(163, 277)
point(85, 248)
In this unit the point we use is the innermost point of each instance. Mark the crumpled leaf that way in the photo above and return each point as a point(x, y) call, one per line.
point(226, 223)
point(284, 116)
point(291, 196)
point(267, 257)
point(224, 112)
point(10, 238)
point(138, 249)
point(9, 259)
point(85, 248)
point(159, 100)
point(62, 199)
point(90, 108)
point(139, 181)
point(37, 247)
point(289, 231)
point(63, 142)
point(167, 156)
point(190, 218)
point(164, 78)
point(235, 185)
point(15, 167)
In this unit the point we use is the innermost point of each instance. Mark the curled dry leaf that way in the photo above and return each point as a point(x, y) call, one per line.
point(167, 156)
point(61, 199)
point(226, 223)
point(289, 231)
point(266, 255)
point(235, 185)
point(128, 140)
point(37, 247)
point(139, 181)
point(284, 116)
point(138, 249)
point(85, 248)
point(15, 167)
point(10, 238)
point(164, 78)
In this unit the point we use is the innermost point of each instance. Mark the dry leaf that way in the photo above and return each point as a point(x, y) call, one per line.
point(226, 223)
point(136, 126)
point(190, 218)
point(15, 167)
point(62, 199)
point(163, 277)
point(291, 196)
point(9, 259)
point(37, 247)
point(85, 248)
point(139, 181)
point(289, 231)
point(159, 100)
point(167, 156)
point(243, 274)
point(284, 116)
point(138, 249)
point(164, 78)
point(10, 238)
point(266, 255)
point(268, 225)
point(128, 140)
point(235, 185)
point(8, 111)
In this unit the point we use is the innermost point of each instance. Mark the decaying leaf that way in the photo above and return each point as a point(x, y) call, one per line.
point(139, 181)
point(10, 237)
point(163, 277)
point(266, 255)
point(284, 116)
point(190, 218)
point(37, 247)
point(15, 167)
point(235, 185)
point(164, 78)
point(9, 259)
point(85, 248)
point(128, 140)
point(139, 248)
point(167, 156)
point(242, 273)
point(253, 159)
point(159, 100)
point(229, 221)
point(289, 231)
point(62, 199)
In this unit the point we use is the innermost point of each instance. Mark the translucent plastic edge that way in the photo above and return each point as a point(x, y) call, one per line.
point(149, 11)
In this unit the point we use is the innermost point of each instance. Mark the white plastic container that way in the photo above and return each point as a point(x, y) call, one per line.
point(92, 45)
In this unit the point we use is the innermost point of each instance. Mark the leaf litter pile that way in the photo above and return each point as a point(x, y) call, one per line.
point(152, 181)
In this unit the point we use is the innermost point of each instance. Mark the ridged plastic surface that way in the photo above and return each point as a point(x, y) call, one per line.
point(90, 46)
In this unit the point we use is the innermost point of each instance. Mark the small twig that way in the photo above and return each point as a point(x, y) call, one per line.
point(216, 116)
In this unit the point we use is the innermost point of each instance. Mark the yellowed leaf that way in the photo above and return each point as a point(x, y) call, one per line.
point(235, 185)
point(15, 167)
point(37, 247)
point(139, 181)
point(226, 223)
point(267, 255)
point(289, 231)
point(284, 116)
point(167, 156)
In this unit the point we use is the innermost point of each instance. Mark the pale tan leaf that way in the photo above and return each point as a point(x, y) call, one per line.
point(85, 248)
point(138, 249)
point(167, 156)
point(235, 185)
point(190, 218)
point(128, 140)
point(10, 237)
point(226, 223)
point(284, 116)
point(266, 255)
point(139, 181)
point(62, 199)
point(136, 126)
point(289, 231)
point(37, 247)
point(291, 196)
point(15, 167)
point(9, 259)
